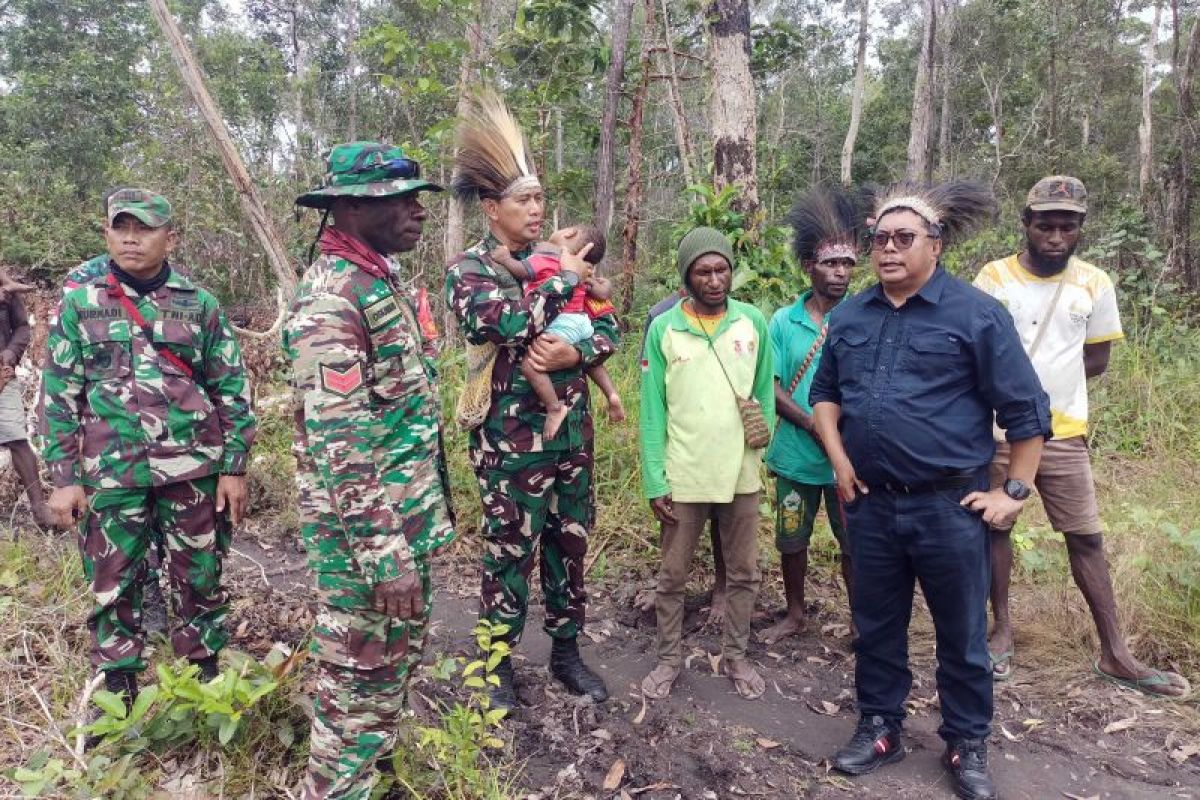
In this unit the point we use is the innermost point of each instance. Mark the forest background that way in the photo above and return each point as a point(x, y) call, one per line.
point(651, 116)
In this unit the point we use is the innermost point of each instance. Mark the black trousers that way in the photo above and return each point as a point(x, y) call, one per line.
point(897, 540)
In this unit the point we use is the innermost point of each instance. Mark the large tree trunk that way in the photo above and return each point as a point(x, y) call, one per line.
point(633, 188)
point(944, 164)
point(922, 105)
point(1145, 129)
point(856, 99)
point(683, 140)
point(605, 175)
point(256, 213)
point(732, 111)
point(351, 11)
point(1179, 257)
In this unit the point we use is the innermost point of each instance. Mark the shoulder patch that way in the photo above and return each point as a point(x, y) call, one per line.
point(341, 382)
point(381, 312)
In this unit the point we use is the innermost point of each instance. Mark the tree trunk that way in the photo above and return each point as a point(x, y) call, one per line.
point(1179, 258)
point(856, 99)
point(1145, 129)
point(351, 10)
point(922, 105)
point(683, 140)
point(480, 34)
point(605, 176)
point(260, 221)
point(558, 156)
point(633, 188)
point(944, 165)
point(732, 110)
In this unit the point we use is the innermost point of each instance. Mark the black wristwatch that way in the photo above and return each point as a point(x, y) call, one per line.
point(1017, 489)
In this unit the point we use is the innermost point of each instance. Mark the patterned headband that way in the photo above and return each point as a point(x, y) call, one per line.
point(521, 184)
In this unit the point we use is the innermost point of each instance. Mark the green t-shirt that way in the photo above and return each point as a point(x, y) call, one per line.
point(793, 453)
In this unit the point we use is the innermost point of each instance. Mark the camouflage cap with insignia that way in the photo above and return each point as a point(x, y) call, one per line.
point(1058, 193)
point(366, 169)
point(152, 209)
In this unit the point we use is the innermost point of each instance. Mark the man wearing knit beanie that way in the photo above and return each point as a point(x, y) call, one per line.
point(711, 351)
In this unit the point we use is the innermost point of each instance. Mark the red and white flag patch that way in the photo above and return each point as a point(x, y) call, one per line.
point(341, 381)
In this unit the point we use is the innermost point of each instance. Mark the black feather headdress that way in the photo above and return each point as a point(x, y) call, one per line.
point(955, 208)
point(492, 157)
point(827, 223)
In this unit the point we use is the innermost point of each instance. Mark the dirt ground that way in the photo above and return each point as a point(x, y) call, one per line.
point(1055, 735)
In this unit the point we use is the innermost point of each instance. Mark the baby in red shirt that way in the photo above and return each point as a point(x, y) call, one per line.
point(573, 324)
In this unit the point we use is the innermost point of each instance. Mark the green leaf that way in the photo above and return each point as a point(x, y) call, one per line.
point(228, 728)
point(110, 704)
point(474, 682)
point(141, 705)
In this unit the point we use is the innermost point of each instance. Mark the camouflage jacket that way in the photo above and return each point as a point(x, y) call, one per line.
point(491, 307)
point(367, 431)
point(118, 415)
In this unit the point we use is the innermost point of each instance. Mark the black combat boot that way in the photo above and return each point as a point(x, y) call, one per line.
point(967, 761)
point(209, 667)
point(873, 744)
point(504, 695)
point(117, 681)
point(154, 608)
point(567, 665)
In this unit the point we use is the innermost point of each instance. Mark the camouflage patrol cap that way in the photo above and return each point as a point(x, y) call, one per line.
point(366, 169)
point(1058, 193)
point(152, 209)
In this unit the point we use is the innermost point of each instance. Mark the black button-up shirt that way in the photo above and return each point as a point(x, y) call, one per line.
point(918, 384)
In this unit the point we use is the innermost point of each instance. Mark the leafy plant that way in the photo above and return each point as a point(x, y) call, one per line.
point(458, 747)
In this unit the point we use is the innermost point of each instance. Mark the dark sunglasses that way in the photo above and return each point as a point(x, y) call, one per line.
point(393, 168)
point(903, 239)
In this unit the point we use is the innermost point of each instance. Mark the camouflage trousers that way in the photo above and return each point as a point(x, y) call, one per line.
point(532, 499)
point(364, 661)
point(116, 535)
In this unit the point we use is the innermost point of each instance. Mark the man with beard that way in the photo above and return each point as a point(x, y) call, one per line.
point(703, 359)
point(826, 225)
point(372, 490)
point(536, 492)
point(1065, 310)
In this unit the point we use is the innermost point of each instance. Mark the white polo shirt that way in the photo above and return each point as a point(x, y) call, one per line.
point(1086, 314)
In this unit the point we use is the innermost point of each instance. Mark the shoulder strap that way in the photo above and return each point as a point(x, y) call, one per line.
point(808, 359)
point(115, 290)
point(1045, 324)
point(713, 349)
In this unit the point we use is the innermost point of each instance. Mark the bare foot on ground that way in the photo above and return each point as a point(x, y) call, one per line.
point(716, 611)
point(746, 680)
point(790, 625)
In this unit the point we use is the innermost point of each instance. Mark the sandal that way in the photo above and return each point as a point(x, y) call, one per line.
point(1148, 685)
point(750, 686)
point(1002, 666)
point(658, 683)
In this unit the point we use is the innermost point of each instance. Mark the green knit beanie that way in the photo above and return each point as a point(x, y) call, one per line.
point(699, 242)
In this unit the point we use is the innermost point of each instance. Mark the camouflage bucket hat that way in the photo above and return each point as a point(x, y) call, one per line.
point(1058, 193)
point(152, 209)
point(366, 169)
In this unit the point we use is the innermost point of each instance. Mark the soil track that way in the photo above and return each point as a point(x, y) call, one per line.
point(705, 742)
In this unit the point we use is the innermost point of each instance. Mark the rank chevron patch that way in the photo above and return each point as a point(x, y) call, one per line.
point(341, 382)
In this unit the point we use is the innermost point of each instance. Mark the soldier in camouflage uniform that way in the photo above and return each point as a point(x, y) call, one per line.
point(147, 417)
point(534, 491)
point(154, 606)
point(372, 485)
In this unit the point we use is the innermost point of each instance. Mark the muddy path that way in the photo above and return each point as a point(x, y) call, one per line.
point(1049, 739)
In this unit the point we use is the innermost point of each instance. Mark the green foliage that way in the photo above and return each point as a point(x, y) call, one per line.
point(765, 272)
point(104, 776)
point(182, 708)
point(458, 748)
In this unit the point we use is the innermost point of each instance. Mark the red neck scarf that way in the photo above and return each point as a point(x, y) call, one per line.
point(342, 245)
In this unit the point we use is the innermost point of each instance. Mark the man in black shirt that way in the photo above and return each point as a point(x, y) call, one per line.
point(913, 370)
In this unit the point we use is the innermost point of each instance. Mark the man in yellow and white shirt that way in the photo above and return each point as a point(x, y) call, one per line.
point(1065, 311)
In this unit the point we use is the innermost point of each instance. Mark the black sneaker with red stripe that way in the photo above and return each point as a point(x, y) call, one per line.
point(875, 742)
point(966, 759)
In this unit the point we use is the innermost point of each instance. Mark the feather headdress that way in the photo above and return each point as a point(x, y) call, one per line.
point(955, 208)
point(827, 223)
point(492, 159)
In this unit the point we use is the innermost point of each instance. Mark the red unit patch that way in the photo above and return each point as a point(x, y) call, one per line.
point(341, 382)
